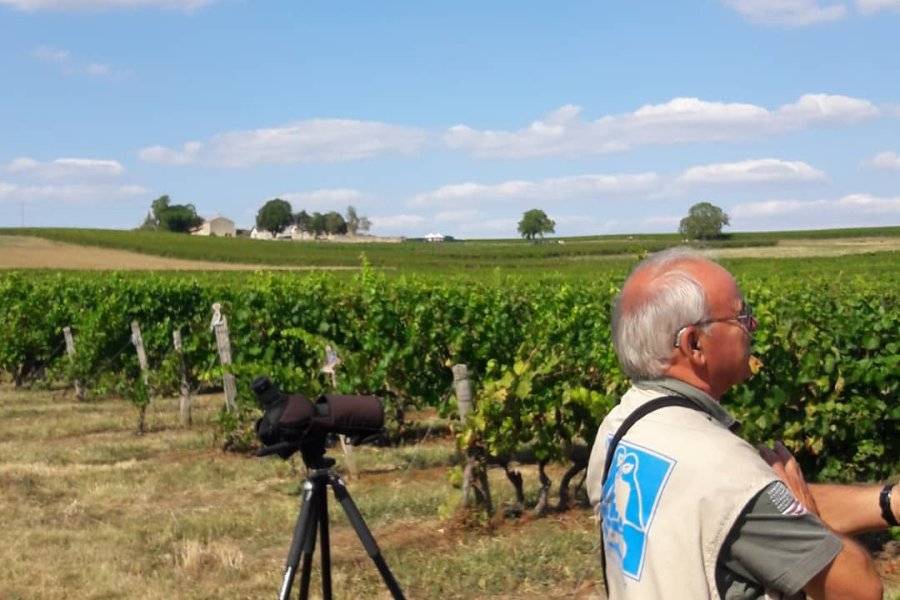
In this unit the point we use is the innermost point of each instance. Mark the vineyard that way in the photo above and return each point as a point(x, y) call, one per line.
point(539, 353)
point(566, 254)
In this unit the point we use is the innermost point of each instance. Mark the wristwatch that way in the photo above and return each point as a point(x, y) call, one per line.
point(884, 500)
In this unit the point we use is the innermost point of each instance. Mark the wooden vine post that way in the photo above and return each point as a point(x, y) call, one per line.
point(184, 405)
point(332, 362)
point(70, 351)
point(475, 488)
point(220, 326)
point(138, 342)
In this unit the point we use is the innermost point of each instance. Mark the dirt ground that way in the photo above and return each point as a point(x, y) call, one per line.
point(802, 248)
point(20, 252)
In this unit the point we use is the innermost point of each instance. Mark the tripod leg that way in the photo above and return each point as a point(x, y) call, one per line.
point(365, 536)
point(298, 541)
point(325, 546)
point(309, 540)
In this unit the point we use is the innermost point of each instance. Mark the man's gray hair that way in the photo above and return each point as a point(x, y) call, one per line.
point(644, 333)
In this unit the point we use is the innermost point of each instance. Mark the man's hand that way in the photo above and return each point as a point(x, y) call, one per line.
point(788, 470)
point(851, 575)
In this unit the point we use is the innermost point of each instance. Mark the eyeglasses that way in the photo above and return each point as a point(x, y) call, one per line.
point(745, 319)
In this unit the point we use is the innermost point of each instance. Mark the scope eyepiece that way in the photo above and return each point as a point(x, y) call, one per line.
point(267, 393)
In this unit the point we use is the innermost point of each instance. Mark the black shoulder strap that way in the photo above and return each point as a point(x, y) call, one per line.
point(635, 416)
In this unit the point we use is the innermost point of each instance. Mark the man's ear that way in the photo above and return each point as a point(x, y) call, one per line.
point(697, 355)
point(690, 345)
point(688, 340)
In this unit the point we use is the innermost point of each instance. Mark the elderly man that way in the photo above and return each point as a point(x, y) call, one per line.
point(688, 509)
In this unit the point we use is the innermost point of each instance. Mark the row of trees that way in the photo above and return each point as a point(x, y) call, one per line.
point(277, 215)
point(704, 221)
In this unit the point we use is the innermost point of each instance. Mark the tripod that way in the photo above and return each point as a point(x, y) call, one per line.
point(313, 519)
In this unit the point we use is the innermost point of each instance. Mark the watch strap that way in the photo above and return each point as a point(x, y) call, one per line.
point(884, 500)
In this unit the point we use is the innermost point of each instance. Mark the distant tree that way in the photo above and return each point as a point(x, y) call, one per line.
point(318, 224)
point(535, 222)
point(166, 216)
point(303, 220)
point(357, 223)
point(159, 206)
point(180, 218)
point(703, 222)
point(335, 223)
point(275, 216)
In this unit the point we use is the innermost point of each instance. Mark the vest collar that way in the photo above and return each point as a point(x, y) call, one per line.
point(668, 385)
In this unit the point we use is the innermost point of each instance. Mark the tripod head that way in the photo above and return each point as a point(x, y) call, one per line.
point(312, 451)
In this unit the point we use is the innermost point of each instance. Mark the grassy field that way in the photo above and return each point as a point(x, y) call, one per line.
point(865, 252)
point(515, 255)
point(91, 510)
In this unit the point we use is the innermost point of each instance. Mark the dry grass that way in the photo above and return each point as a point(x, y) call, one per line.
point(21, 252)
point(801, 248)
point(90, 510)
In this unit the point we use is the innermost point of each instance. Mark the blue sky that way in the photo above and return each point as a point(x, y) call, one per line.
point(613, 117)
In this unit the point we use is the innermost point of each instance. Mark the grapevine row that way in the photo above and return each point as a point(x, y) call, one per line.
point(544, 368)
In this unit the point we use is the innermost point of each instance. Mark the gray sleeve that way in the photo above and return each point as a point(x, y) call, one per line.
point(777, 544)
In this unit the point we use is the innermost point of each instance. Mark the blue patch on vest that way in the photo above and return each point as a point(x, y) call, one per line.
point(635, 483)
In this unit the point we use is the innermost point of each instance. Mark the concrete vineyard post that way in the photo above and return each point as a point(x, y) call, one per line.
point(70, 351)
point(184, 405)
point(138, 342)
point(463, 388)
point(223, 342)
point(475, 487)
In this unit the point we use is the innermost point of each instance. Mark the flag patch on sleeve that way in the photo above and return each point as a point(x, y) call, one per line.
point(784, 500)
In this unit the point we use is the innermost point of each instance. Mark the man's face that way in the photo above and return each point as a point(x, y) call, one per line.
point(725, 342)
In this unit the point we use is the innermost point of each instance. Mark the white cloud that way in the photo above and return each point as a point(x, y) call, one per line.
point(766, 170)
point(867, 7)
point(98, 69)
point(885, 160)
point(71, 66)
point(333, 198)
point(70, 193)
point(458, 216)
point(314, 140)
point(681, 120)
point(494, 227)
point(849, 210)
point(63, 168)
point(168, 156)
point(790, 13)
point(48, 54)
point(397, 222)
point(74, 5)
point(556, 189)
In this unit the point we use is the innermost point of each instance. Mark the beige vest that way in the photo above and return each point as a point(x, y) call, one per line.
point(678, 481)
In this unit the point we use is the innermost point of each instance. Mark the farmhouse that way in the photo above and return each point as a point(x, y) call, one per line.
point(217, 225)
point(261, 234)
